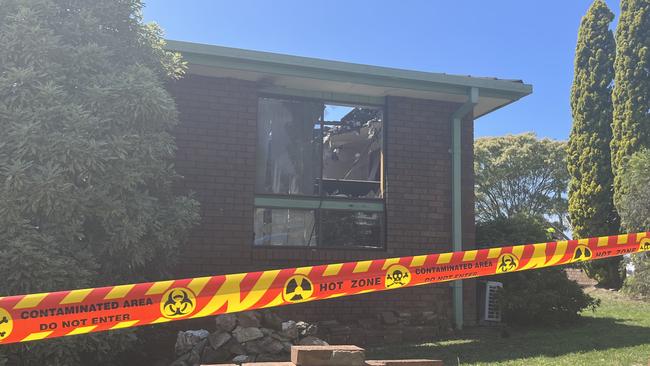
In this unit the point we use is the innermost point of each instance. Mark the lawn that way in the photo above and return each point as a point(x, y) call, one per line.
point(617, 333)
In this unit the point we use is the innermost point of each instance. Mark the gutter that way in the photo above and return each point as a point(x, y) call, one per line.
point(457, 215)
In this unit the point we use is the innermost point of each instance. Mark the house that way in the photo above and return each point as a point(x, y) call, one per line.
point(299, 161)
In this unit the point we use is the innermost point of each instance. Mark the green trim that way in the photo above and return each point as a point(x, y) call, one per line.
point(325, 96)
point(304, 67)
point(315, 203)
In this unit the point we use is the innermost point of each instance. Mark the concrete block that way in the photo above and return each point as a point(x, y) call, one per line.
point(328, 356)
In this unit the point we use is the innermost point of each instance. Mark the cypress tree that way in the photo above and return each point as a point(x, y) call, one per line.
point(591, 206)
point(631, 94)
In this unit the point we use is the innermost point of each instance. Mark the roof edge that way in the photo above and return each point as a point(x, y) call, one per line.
point(235, 58)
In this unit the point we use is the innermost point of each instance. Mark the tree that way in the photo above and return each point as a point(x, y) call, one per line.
point(591, 205)
point(85, 158)
point(631, 93)
point(520, 175)
point(634, 207)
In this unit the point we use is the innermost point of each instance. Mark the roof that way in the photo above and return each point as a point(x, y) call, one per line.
point(337, 80)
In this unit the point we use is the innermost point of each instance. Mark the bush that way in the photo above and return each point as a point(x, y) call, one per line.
point(86, 156)
point(542, 296)
point(634, 208)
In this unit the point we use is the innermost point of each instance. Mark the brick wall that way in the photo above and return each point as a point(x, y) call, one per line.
point(216, 142)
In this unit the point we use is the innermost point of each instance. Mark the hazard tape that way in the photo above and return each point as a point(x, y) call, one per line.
point(57, 314)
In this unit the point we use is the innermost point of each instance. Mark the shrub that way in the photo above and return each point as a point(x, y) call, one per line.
point(543, 296)
point(86, 180)
point(634, 208)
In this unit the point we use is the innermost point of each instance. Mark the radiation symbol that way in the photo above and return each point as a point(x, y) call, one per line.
point(297, 288)
point(397, 276)
point(581, 253)
point(507, 262)
point(177, 303)
point(6, 324)
point(644, 245)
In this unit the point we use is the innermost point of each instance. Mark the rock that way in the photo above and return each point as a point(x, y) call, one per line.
point(287, 346)
point(311, 330)
point(267, 331)
point(218, 339)
point(226, 322)
point(213, 355)
point(243, 359)
point(272, 320)
point(185, 341)
point(305, 329)
point(182, 361)
point(312, 341)
point(190, 359)
point(234, 347)
point(247, 334)
point(253, 347)
point(388, 317)
point(301, 326)
point(199, 347)
point(249, 319)
point(271, 345)
point(280, 337)
point(290, 329)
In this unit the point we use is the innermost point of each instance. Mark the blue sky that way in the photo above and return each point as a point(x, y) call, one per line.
point(529, 40)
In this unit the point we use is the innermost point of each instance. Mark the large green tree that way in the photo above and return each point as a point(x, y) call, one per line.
point(631, 94)
point(85, 158)
point(591, 205)
point(520, 175)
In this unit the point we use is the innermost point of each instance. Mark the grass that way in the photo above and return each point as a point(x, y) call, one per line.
point(617, 333)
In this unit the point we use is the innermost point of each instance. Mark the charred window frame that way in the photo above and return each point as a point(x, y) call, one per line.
point(320, 174)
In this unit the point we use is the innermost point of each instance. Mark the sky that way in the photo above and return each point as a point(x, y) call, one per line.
point(533, 41)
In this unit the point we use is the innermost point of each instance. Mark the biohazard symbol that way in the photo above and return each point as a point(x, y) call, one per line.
point(177, 303)
point(297, 288)
point(507, 262)
point(6, 324)
point(644, 245)
point(397, 276)
point(581, 253)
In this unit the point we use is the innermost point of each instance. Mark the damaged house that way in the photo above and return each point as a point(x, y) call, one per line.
point(299, 161)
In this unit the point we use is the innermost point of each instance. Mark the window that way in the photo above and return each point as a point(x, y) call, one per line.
point(319, 175)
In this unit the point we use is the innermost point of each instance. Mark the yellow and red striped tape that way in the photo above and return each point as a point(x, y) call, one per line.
point(57, 314)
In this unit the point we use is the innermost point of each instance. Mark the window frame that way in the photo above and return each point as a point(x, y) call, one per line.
point(261, 200)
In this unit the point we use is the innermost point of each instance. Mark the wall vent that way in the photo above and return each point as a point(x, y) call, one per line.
point(492, 310)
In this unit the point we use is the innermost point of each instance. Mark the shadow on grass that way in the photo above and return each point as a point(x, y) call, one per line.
point(486, 344)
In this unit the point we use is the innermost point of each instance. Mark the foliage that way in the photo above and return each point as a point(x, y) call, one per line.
point(544, 296)
point(631, 93)
point(520, 175)
point(634, 207)
point(591, 205)
point(85, 151)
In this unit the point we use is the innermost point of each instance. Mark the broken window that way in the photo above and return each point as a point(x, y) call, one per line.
point(352, 151)
point(288, 154)
point(319, 174)
point(351, 228)
point(287, 227)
